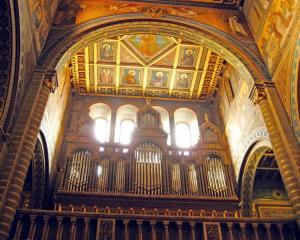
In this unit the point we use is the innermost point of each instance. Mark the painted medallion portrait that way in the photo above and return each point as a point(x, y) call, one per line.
point(107, 51)
point(183, 80)
point(188, 57)
point(159, 79)
point(106, 76)
point(131, 76)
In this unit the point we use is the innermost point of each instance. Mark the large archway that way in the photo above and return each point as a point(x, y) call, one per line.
point(65, 45)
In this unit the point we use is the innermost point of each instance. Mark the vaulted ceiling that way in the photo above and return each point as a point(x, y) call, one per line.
point(146, 65)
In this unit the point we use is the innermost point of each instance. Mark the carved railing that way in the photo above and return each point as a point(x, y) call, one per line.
point(141, 224)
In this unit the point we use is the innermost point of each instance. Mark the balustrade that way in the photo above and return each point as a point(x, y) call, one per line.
point(58, 225)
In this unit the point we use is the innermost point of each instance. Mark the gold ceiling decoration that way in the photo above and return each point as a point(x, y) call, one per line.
point(146, 65)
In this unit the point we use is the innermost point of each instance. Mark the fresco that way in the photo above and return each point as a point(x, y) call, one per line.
point(166, 60)
point(106, 76)
point(149, 46)
point(131, 76)
point(159, 78)
point(183, 80)
point(107, 51)
point(188, 56)
point(41, 12)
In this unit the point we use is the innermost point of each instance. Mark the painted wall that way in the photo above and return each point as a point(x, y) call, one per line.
point(243, 121)
point(272, 22)
point(53, 122)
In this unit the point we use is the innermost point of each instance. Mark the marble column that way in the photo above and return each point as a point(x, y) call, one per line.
point(166, 230)
point(283, 139)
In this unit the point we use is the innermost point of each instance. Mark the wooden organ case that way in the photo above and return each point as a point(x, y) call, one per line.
point(148, 175)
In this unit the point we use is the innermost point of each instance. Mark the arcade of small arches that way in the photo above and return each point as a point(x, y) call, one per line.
point(185, 122)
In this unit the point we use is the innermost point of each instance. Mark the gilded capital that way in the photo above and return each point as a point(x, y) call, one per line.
point(258, 93)
point(50, 81)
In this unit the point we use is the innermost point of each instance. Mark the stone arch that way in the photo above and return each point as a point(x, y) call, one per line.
point(67, 44)
point(34, 196)
point(247, 179)
point(295, 91)
point(10, 58)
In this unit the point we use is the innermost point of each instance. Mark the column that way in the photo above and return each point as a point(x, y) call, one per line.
point(86, 228)
point(255, 229)
point(126, 226)
point(172, 129)
point(243, 230)
point(268, 229)
point(280, 229)
point(179, 225)
point(23, 139)
point(59, 228)
point(192, 224)
point(283, 139)
point(45, 227)
point(18, 228)
point(166, 228)
point(230, 230)
point(112, 126)
point(32, 228)
point(153, 230)
point(73, 228)
point(140, 229)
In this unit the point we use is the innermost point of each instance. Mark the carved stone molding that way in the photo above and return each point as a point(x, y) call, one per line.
point(258, 93)
point(155, 11)
point(50, 81)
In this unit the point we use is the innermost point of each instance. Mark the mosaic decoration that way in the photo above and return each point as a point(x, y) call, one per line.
point(159, 78)
point(106, 76)
point(148, 46)
point(107, 51)
point(131, 76)
point(183, 80)
point(146, 65)
point(188, 57)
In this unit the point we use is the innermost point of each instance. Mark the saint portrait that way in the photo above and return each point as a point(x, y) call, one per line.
point(187, 57)
point(183, 81)
point(159, 79)
point(107, 52)
point(131, 76)
point(106, 76)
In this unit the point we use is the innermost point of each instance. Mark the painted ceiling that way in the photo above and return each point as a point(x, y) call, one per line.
point(146, 65)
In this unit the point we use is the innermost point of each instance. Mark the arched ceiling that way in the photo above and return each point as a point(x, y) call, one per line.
point(146, 65)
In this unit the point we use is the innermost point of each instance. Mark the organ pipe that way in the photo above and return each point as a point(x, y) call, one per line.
point(147, 173)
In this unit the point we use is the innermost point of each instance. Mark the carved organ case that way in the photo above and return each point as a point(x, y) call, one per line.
point(148, 172)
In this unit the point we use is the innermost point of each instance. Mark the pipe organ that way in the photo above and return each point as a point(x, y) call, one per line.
point(147, 175)
point(146, 172)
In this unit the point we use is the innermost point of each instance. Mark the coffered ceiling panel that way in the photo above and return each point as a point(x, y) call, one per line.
point(146, 65)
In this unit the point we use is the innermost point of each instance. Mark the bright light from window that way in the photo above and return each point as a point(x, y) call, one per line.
point(183, 135)
point(126, 129)
point(99, 170)
point(100, 129)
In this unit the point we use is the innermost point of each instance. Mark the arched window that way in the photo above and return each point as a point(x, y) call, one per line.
point(164, 117)
point(125, 123)
point(183, 135)
point(186, 127)
point(126, 128)
point(101, 113)
point(100, 129)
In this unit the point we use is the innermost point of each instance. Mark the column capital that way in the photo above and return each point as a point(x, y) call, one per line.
point(258, 92)
point(50, 80)
point(166, 223)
